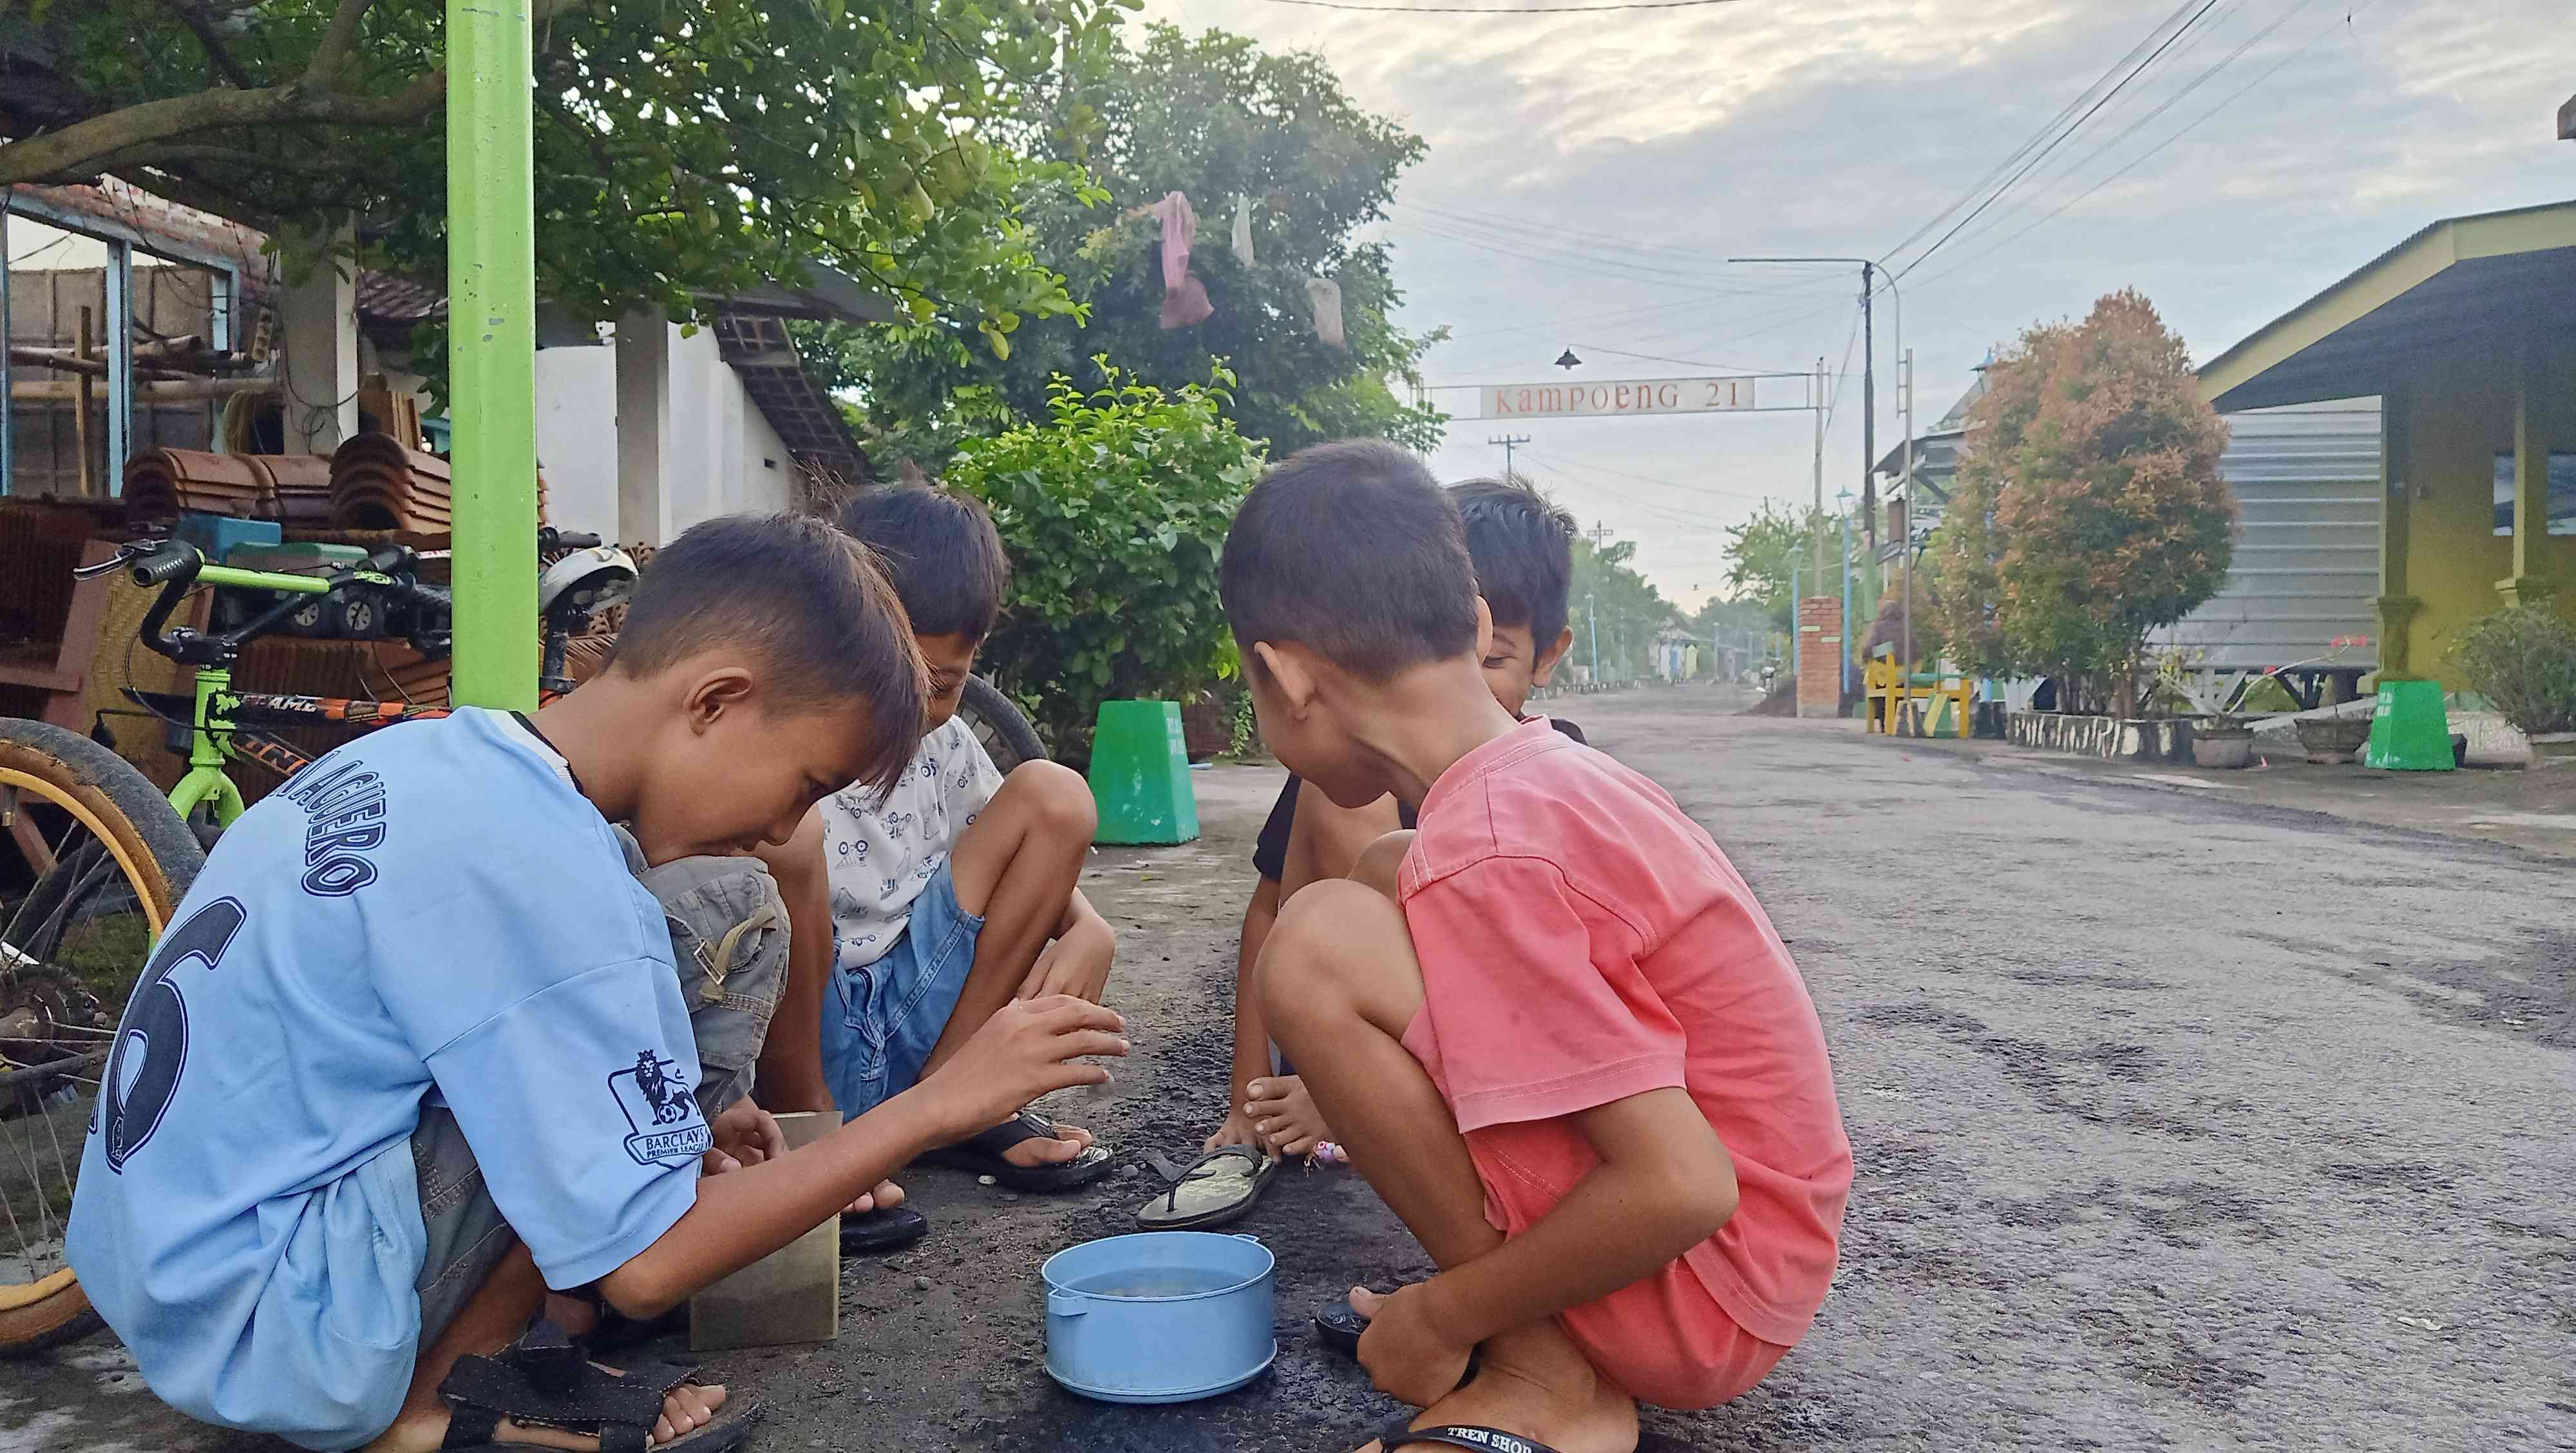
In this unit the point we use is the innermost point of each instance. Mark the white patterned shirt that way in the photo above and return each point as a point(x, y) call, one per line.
point(881, 858)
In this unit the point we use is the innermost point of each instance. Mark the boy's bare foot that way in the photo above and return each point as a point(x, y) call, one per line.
point(1535, 1383)
point(1285, 1115)
point(685, 1409)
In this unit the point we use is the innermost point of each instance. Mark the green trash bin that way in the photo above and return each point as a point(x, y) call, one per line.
point(2410, 731)
point(1140, 775)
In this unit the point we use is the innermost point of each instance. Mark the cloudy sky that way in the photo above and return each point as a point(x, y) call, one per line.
point(1589, 175)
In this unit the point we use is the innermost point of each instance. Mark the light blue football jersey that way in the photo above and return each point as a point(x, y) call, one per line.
point(432, 909)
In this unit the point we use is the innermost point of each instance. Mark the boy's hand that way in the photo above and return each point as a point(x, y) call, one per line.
point(744, 1134)
point(1076, 963)
point(1409, 1354)
point(1029, 1048)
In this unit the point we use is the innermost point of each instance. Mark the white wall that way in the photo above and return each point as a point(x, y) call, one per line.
point(577, 436)
point(719, 454)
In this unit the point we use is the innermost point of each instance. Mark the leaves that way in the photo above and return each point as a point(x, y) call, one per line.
point(681, 148)
point(2523, 659)
point(2088, 509)
point(1212, 116)
point(1113, 510)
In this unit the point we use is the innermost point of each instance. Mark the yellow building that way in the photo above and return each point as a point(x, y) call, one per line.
point(2467, 333)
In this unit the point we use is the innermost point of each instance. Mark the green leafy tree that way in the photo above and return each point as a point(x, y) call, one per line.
point(2090, 510)
point(1764, 554)
point(1215, 117)
point(680, 146)
point(1609, 602)
point(1113, 510)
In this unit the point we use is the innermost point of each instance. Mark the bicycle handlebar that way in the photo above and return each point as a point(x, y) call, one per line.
point(168, 562)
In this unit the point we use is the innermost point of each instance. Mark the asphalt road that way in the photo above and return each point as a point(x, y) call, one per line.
point(2182, 1122)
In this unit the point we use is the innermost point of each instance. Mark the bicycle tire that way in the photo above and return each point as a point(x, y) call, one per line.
point(998, 723)
point(157, 859)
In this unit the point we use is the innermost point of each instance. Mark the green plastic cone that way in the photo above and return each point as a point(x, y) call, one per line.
point(2410, 732)
point(1140, 775)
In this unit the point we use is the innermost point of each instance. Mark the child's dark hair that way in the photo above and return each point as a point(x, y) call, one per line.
point(941, 552)
point(808, 602)
point(1523, 548)
point(1354, 551)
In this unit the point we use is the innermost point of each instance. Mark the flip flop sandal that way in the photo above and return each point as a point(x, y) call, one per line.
point(982, 1154)
point(1218, 1189)
point(1456, 1435)
point(543, 1381)
point(1340, 1325)
point(873, 1233)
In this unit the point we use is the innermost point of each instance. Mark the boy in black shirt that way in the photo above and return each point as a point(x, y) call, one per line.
point(1523, 549)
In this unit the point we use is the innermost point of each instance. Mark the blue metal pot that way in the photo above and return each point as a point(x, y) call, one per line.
point(1159, 1317)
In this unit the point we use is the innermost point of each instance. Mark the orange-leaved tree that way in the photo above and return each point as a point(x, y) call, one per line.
point(2089, 509)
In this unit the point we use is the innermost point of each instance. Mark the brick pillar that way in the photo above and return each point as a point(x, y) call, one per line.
point(1820, 656)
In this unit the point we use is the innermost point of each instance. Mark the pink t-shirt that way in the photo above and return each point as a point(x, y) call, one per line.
point(1583, 941)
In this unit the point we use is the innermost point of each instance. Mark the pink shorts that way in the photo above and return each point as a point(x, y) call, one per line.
point(1664, 1339)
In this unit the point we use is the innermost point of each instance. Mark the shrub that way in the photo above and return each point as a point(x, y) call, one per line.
point(1113, 510)
point(2524, 660)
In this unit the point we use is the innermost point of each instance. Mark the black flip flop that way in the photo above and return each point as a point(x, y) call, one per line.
point(1339, 1327)
point(982, 1154)
point(544, 1379)
point(1399, 1434)
point(874, 1233)
point(1220, 1188)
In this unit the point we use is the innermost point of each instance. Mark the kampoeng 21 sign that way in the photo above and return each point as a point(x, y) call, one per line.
point(1642, 396)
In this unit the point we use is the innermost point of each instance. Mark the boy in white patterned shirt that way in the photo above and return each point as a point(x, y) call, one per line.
point(954, 896)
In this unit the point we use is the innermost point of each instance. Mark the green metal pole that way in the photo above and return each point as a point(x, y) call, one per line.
point(491, 318)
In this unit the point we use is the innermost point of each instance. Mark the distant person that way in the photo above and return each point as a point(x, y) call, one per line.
point(1552, 1027)
point(1523, 550)
point(417, 1050)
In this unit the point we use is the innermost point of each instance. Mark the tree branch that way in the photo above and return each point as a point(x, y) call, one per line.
point(75, 152)
point(213, 41)
point(332, 56)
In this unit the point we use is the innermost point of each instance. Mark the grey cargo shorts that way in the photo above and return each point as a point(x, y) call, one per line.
point(729, 943)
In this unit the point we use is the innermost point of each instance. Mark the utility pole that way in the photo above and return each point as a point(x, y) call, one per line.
point(1599, 535)
point(1905, 546)
point(1818, 512)
point(1509, 443)
point(1869, 276)
point(1592, 620)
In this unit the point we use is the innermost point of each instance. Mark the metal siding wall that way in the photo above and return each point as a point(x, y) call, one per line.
point(2306, 569)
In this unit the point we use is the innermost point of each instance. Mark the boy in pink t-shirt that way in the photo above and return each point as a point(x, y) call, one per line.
point(1552, 1027)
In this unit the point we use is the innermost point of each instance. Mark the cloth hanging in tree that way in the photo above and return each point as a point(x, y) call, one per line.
point(1326, 296)
point(1243, 229)
point(1185, 299)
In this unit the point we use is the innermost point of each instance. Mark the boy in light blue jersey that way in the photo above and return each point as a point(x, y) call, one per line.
point(414, 1051)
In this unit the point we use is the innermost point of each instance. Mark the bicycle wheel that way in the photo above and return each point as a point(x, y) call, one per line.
point(93, 861)
point(997, 723)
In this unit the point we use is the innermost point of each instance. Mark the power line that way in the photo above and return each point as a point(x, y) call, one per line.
point(1508, 10)
point(1996, 223)
point(2062, 137)
point(1980, 184)
point(2053, 135)
point(2142, 158)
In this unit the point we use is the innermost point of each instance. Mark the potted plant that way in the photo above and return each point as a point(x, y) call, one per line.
point(2524, 660)
point(2221, 737)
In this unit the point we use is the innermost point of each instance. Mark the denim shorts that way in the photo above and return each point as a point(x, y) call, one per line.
point(881, 1021)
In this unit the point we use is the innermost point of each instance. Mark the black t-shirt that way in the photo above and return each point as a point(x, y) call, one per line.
point(1270, 850)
